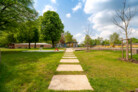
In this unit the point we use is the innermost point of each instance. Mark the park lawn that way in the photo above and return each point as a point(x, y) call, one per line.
point(23, 49)
point(108, 74)
point(27, 71)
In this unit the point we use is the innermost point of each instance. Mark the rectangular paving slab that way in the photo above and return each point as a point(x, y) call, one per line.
point(69, 67)
point(69, 57)
point(69, 61)
point(69, 82)
point(69, 54)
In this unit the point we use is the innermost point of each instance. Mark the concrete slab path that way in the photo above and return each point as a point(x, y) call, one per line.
point(69, 57)
point(69, 82)
point(69, 61)
point(69, 67)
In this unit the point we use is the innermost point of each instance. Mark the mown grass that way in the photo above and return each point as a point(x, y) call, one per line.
point(108, 74)
point(32, 72)
point(23, 49)
point(27, 72)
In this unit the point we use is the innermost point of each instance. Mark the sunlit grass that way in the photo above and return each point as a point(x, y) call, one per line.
point(23, 49)
point(27, 72)
point(108, 74)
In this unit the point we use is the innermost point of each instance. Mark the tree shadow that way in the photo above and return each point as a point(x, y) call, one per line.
point(17, 66)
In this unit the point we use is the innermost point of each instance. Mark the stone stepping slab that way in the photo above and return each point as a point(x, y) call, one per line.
point(69, 57)
point(69, 82)
point(69, 67)
point(69, 53)
point(69, 61)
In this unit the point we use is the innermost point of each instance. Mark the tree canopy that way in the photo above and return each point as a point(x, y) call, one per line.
point(13, 12)
point(51, 26)
point(68, 37)
point(114, 38)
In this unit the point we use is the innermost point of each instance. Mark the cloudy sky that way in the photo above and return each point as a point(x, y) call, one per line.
point(76, 15)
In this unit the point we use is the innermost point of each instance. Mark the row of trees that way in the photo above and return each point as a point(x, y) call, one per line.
point(67, 37)
point(114, 39)
point(15, 19)
point(122, 19)
point(19, 23)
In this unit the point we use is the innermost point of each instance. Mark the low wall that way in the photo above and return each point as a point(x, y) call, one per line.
point(115, 46)
point(134, 50)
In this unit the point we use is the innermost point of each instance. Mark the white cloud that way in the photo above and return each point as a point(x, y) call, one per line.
point(101, 17)
point(134, 33)
point(68, 15)
point(93, 5)
point(77, 7)
point(53, 1)
point(78, 35)
point(48, 7)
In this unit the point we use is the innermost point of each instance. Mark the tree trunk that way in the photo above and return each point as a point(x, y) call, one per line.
point(87, 47)
point(35, 45)
point(29, 46)
point(127, 50)
point(53, 45)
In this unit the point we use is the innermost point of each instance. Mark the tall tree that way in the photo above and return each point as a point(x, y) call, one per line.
point(88, 33)
point(68, 37)
point(26, 33)
point(87, 41)
point(114, 38)
point(15, 11)
point(62, 39)
point(122, 19)
point(35, 36)
point(51, 27)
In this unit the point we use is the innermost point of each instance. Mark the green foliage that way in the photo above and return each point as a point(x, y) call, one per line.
point(114, 38)
point(51, 26)
point(97, 41)
point(28, 32)
point(13, 12)
point(68, 37)
point(35, 34)
point(134, 40)
point(7, 38)
point(87, 40)
point(105, 42)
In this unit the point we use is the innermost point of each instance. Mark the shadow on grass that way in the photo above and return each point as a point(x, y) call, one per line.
point(25, 71)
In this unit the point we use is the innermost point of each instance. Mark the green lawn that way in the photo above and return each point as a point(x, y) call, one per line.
point(27, 72)
point(22, 49)
point(32, 72)
point(108, 74)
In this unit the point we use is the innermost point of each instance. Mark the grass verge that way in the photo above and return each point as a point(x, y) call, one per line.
point(108, 74)
point(27, 72)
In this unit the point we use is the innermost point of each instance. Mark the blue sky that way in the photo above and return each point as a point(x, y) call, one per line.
point(76, 15)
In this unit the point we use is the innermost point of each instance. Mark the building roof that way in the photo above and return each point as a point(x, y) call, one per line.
point(32, 43)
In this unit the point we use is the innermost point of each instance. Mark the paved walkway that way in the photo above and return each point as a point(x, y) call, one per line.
point(69, 62)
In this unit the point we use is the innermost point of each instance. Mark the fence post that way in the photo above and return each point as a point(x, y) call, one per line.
point(122, 50)
point(131, 47)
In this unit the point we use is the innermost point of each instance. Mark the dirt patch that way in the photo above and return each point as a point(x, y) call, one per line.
point(130, 60)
